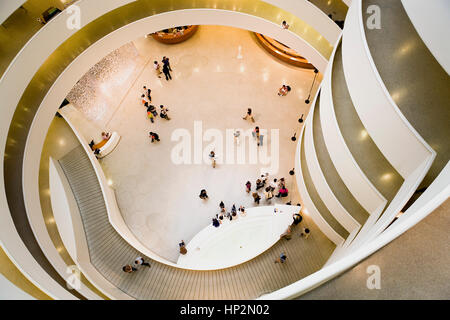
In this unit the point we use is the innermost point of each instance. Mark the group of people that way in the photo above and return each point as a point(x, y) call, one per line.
point(296, 219)
point(146, 98)
point(138, 262)
point(268, 189)
point(166, 69)
point(225, 214)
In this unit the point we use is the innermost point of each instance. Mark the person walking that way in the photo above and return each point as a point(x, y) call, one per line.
point(182, 246)
point(222, 206)
point(148, 92)
point(236, 135)
point(256, 135)
point(212, 156)
point(284, 90)
point(242, 211)
point(256, 197)
point(129, 269)
point(139, 261)
point(249, 115)
point(157, 68)
point(282, 258)
point(154, 136)
point(248, 186)
point(306, 232)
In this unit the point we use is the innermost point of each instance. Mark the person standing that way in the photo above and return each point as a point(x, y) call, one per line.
point(212, 156)
point(151, 116)
point(256, 197)
point(129, 269)
point(268, 194)
point(143, 99)
point(182, 246)
point(139, 261)
point(154, 136)
point(166, 72)
point(166, 62)
point(148, 92)
point(215, 222)
point(306, 232)
point(163, 114)
point(222, 206)
point(282, 258)
point(256, 135)
point(242, 211)
point(203, 195)
point(157, 68)
point(248, 186)
point(236, 135)
point(273, 184)
point(297, 218)
point(249, 115)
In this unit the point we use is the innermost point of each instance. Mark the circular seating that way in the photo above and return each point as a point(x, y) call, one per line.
point(176, 36)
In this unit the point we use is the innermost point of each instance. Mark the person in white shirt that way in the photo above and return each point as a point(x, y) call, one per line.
point(139, 261)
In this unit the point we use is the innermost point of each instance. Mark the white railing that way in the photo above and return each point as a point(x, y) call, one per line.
point(377, 110)
point(434, 196)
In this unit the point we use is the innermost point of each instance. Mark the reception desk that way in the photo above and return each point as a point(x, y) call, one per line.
point(177, 37)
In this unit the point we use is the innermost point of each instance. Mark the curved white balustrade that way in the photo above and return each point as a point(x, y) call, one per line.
point(434, 196)
point(12, 85)
point(349, 171)
point(430, 30)
point(70, 227)
point(312, 15)
point(374, 104)
point(34, 53)
point(306, 199)
point(320, 183)
point(237, 241)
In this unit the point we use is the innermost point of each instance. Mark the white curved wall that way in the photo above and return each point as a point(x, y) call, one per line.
point(374, 104)
point(42, 44)
point(109, 43)
point(312, 15)
point(12, 85)
point(349, 171)
point(308, 204)
point(430, 19)
point(320, 183)
point(7, 7)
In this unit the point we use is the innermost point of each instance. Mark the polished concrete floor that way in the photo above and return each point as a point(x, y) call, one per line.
point(214, 82)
